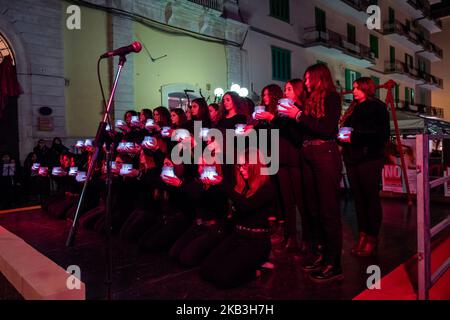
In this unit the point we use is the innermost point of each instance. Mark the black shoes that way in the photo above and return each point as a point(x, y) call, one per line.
point(313, 263)
point(327, 274)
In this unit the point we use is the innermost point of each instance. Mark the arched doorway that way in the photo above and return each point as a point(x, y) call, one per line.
point(9, 128)
point(24, 104)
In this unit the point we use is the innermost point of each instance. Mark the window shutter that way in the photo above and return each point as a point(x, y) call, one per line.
point(348, 80)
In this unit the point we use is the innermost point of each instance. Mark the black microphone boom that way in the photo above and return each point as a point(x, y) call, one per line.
point(134, 47)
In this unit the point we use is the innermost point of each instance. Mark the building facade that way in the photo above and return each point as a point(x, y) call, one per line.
point(189, 45)
point(197, 45)
point(285, 36)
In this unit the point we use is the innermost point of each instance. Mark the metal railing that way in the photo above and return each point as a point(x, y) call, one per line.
point(425, 7)
point(397, 27)
point(431, 47)
point(313, 35)
point(412, 35)
point(360, 5)
point(431, 79)
point(424, 231)
point(211, 4)
point(420, 109)
point(401, 67)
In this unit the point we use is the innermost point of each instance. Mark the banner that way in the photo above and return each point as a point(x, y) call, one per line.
point(409, 153)
point(393, 181)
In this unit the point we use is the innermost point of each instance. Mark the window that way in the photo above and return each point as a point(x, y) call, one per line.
point(409, 96)
point(391, 15)
point(408, 25)
point(409, 61)
point(421, 65)
point(5, 49)
point(377, 83)
point(321, 24)
point(374, 45)
point(280, 9)
point(392, 54)
point(397, 93)
point(281, 64)
point(350, 77)
point(351, 33)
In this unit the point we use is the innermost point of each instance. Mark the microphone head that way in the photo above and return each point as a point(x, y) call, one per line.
point(137, 47)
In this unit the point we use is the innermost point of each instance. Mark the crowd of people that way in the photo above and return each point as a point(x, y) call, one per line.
point(17, 186)
point(221, 216)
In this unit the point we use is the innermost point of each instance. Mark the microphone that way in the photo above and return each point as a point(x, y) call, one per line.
point(134, 47)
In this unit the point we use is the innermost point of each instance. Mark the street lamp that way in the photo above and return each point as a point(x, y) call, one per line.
point(243, 92)
point(235, 87)
point(218, 93)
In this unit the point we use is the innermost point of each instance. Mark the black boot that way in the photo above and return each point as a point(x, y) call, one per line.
point(327, 273)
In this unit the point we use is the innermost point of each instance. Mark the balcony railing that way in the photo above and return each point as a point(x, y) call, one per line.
point(424, 6)
point(421, 108)
point(431, 47)
point(403, 68)
point(360, 5)
point(401, 29)
point(398, 66)
point(420, 5)
point(314, 36)
point(431, 79)
point(211, 4)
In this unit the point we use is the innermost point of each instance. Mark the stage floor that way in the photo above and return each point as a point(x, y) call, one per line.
point(155, 276)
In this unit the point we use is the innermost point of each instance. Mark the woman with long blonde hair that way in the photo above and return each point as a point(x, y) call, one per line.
point(321, 168)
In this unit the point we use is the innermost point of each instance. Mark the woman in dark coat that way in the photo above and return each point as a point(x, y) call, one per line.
point(364, 134)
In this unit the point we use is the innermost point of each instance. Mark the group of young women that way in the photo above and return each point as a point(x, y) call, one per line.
point(221, 222)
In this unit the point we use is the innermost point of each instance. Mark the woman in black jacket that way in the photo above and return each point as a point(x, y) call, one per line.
point(289, 173)
point(208, 229)
point(321, 166)
point(364, 134)
point(243, 252)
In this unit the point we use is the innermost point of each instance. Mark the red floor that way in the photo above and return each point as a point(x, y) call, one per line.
point(401, 283)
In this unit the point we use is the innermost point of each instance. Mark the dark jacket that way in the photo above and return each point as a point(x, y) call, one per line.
point(325, 128)
point(371, 129)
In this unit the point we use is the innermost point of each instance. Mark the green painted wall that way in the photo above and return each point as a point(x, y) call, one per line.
point(188, 60)
point(81, 50)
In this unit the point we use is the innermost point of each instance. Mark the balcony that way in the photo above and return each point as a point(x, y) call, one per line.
point(216, 5)
point(421, 109)
point(425, 19)
point(352, 8)
point(399, 33)
point(431, 51)
point(400, 71)
point(337, 46)
point(431, 82)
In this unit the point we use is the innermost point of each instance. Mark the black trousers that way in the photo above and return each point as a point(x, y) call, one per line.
point(365, 179)
point(236, 260)
point(163, 234)
point(322, 167)
point(196, 243)
point(137, 224)
point(290, 184)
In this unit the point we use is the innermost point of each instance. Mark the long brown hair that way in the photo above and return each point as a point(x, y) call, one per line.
point(275, 94)
point(299, 88)
point(236, 102)
point(366, 85)
point(321, 86)
point(255, 179)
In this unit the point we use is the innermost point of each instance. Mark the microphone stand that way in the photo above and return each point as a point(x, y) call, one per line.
point(100, 138)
